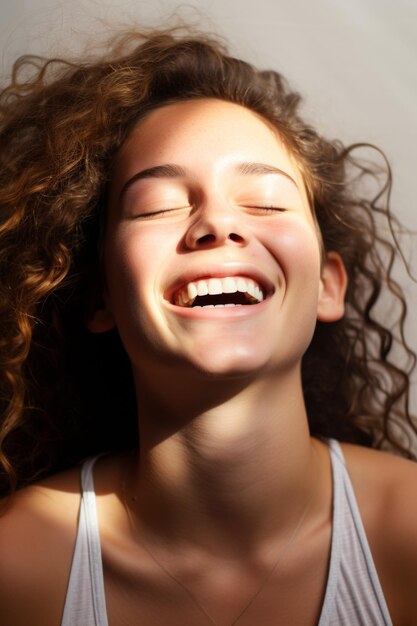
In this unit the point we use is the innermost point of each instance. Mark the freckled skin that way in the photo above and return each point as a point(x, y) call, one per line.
point(144, 255)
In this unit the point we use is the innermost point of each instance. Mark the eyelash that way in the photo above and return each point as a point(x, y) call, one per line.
point(156, 213)
point(268, 208)
point(153, 214)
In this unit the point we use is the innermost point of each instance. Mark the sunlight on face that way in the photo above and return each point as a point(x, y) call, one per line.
point(207, 207)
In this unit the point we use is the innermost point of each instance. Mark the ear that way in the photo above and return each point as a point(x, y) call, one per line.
point(333, 284)
point(99, 317)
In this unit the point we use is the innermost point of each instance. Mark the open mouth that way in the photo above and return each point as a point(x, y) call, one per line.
point(219, 292)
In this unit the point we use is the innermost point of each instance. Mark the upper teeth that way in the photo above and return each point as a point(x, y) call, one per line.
point(214, 286)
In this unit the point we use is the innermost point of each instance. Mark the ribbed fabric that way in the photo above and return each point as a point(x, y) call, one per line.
point(85, 604)
point(353, 595)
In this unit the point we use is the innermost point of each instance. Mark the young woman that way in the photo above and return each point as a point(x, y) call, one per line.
point(189, 289)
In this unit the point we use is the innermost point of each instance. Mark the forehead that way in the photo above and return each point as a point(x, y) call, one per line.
point(203, 134)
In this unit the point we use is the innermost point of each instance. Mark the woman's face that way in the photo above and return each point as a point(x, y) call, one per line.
point(212, 258)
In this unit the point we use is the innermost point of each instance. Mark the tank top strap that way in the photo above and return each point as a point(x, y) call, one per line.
point(85, 601)
point(338, 514)
point(354, 595)
point(93, 541)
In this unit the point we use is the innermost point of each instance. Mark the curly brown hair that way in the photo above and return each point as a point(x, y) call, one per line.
point(61, 124)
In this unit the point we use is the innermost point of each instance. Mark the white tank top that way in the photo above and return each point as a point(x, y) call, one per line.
point(353, 594)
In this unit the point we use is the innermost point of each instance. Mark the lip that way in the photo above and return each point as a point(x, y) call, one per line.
point(220, 271)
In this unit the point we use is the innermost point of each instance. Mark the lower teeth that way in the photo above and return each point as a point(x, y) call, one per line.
point(215, 306)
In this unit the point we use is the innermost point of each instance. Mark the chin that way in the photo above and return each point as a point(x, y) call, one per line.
point(231, 364)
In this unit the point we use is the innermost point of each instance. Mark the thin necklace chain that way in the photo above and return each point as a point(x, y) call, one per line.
point(268, 575)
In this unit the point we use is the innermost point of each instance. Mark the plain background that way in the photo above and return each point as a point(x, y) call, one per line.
point(355, 61)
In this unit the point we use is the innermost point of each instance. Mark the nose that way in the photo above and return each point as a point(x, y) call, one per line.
point(216, 226)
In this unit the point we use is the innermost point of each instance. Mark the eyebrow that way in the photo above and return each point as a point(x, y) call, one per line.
point(260, 169)
point(167, 170)
point(170, 170)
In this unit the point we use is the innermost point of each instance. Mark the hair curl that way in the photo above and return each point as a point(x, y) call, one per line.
point(61, 124)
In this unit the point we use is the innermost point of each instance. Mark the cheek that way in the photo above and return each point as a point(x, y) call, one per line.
point(133, 258)
point(136, 259)
point(128, 267)
point(296, 248)
point(297, 253)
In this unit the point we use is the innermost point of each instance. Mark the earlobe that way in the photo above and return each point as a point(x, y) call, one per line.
point(333, 284)
point(99, 317)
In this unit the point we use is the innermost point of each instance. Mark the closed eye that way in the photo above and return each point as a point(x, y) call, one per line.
point(158, 213)
point(267, 208)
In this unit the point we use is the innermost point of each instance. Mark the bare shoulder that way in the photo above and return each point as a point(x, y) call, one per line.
point(384, 482)
point(37, 534)
point(386, 490)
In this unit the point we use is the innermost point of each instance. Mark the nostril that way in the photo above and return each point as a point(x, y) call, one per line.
point(209, 238)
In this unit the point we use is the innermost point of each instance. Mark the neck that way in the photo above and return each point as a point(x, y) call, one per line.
point(225, 476)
